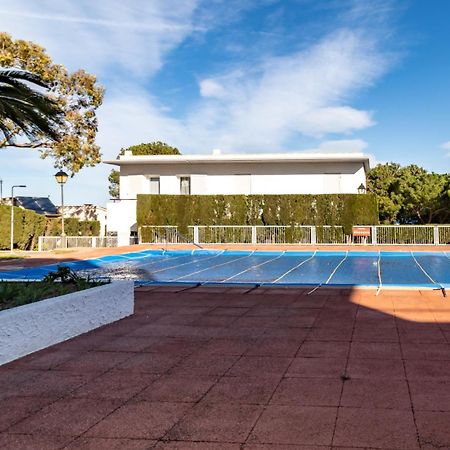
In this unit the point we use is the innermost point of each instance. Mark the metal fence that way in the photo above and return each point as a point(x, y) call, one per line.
point(48, 243)
point(285, 234)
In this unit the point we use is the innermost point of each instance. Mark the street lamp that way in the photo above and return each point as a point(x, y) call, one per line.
point(61, 178)
point(361, 189)
point(12, 213)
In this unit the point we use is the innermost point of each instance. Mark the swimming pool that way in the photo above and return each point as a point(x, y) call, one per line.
point(306, 268)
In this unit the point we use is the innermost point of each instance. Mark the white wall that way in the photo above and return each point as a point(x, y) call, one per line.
point(121, 218)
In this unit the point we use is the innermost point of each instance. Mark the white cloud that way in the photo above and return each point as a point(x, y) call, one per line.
point(211, 88)
point(343, 146)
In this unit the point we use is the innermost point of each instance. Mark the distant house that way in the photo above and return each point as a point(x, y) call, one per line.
point(87, 212)
point(291, 173)
point(40, 205)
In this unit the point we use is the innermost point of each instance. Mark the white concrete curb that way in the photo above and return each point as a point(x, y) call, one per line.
point(28, 328)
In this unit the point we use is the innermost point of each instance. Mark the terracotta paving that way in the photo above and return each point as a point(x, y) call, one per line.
point(239, 369)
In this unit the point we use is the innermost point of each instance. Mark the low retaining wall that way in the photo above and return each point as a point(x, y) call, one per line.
point(28, 328)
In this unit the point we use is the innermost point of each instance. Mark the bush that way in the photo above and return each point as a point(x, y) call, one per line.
point(184, 210)
point(28, 226)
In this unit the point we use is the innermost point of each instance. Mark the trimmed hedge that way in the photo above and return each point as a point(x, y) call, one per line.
point(327, 209)
point(28, 226)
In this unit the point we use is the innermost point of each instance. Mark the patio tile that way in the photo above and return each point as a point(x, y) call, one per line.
point(367, 333)
point(221, 422)
point(45, 359)
point(434, 432)
point(376, 368)
point(229, 311)
point(84, 443)
point(309, 425)
point(376, 393)
point(308, 392)
point(378, 350)
point(140, 420)
point(14, 409)
point(436, 351)
point(66, 417)
point(285, 447)
point(255, 366)
point(178, 388)
point(426, 370)
point(377, 428)
point(232, 346)
point(128, 344)
point(316, 367)
point(330, 334)
point(95, 361)
point(324, 349)
point(274, 347)
point(148, 363)
point(115, 384)
point(32, 442)
point(242, 390)
point(205, 364)
point(430, 395)
point(185, 445)
point(214, 321)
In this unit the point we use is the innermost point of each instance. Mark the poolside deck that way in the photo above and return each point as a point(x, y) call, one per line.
point(230, 369)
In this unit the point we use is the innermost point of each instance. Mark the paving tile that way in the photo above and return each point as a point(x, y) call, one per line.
point(378, 428)
point(186, 445)
point(330, 334)
point(434, 432)
point(274, 347)
point(140, 420)
point(422, 336)
point(11, 379)
point(45, 359)
point(254, 366)
point(324, 349)
point(32, 442)
point(376, 393)
point(308, 392)
point(115, 384)
point(221, 422)
point(148, 363)
point(309, 425)
point(66, 417)
point(206, 364)
point(430, 395)
point(84, 443)
point(178, 388)
point(286, 447)
point(242, 390)
point(128, 344)
point(366, 333)
point(376, 368)
point(316, 367)
point(95, 361)
point(176, 347)
point(231, 346)
point(427, 370)
point(435, 351)
point(377, 350)
point(229, 311)
point(14, 409)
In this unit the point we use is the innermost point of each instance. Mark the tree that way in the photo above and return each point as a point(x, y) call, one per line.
point(76, 94)
point(410, 194)
point(25, 110)
point(152, 148)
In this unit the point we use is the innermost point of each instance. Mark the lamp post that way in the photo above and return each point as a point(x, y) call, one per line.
point(361, 189)
point(61, 178)
point(12, 213)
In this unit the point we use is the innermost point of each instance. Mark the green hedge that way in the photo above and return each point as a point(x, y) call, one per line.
point(28, 226)
point(185, 210)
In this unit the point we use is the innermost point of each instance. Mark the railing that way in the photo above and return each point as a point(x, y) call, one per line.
point(48, 243)
point(298, 234)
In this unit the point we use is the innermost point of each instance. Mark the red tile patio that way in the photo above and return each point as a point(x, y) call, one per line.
point(233, 369)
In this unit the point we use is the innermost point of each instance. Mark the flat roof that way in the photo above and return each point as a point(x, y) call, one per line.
point(241, 158)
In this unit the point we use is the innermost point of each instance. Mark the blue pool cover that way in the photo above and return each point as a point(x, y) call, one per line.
point(337, 268)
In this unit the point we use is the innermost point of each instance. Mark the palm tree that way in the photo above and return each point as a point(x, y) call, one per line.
point(26, 109)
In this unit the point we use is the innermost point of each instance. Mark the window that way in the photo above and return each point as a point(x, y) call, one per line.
point(185, 185)
point(154, 185)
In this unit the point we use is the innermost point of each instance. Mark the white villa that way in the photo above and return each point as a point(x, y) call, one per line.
point(290, 173)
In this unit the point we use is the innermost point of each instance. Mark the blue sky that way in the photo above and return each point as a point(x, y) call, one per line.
point(247, 76)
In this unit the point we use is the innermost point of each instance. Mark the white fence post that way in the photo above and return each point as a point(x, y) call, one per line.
point(94, 241)
point(436, 235)
point(374, 234)
point(253, 234)
point(40, 243)
point(313, 235)
point(196, 240)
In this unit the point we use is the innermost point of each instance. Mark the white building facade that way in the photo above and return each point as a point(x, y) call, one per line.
point(292, 173)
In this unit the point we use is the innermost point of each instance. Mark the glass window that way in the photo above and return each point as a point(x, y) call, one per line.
point(185, 185)
point(154, 185)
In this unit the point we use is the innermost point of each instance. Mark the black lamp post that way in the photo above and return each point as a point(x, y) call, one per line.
point(361, 189)
point(61, 179)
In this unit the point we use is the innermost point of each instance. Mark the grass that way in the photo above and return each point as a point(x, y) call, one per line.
point(61, 282)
